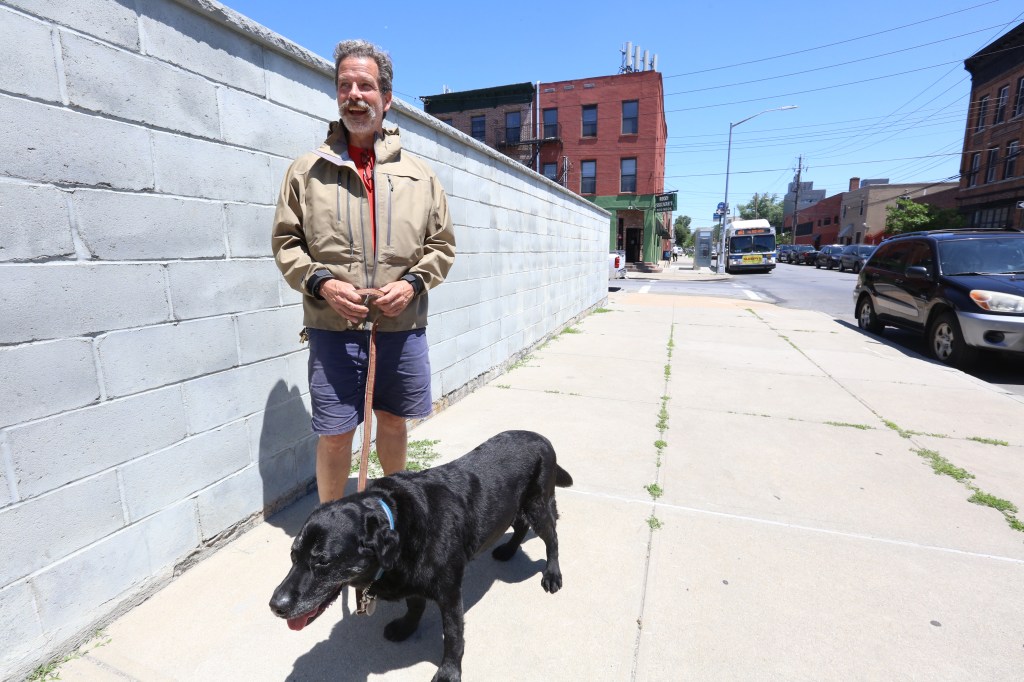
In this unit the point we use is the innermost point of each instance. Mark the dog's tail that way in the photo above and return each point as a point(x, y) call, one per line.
point(562, 477)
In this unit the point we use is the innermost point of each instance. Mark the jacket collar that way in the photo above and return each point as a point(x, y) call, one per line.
point(386, 146)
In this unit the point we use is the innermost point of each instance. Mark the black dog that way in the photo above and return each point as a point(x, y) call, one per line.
point(411, 535)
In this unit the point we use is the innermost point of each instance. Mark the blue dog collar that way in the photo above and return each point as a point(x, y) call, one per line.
point(391, 522)
point(387, 510)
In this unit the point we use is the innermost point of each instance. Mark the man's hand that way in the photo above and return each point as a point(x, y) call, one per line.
point(395, 299)
point(343, 298)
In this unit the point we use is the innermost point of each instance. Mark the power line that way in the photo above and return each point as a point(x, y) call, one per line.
point(830, 66)
point(840, 42)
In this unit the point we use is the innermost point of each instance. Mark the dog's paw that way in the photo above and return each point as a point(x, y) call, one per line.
point(399, 630)
point(504, 552)
point(447, 674)
point(551, 581)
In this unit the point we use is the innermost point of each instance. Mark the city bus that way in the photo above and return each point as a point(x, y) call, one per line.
point(747, 246)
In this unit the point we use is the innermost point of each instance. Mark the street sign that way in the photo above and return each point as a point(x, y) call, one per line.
point(721, 207)
point(1020, 204)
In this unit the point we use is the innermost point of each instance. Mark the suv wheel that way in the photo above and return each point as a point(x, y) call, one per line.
point(856, 267)
point(842, 268)
point(946, 342)
point(866, 318)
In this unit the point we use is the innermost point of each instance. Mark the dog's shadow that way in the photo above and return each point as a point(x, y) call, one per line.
point(357, 648)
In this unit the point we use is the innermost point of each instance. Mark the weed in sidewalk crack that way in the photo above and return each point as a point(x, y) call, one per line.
point(654, 490)
point(941, 465)
point(863, 427)
point(989, 441)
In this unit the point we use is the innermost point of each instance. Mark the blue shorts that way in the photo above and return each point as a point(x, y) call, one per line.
point(337, 377)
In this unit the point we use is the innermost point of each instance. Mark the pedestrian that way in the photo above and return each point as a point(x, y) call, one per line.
point(362, 213)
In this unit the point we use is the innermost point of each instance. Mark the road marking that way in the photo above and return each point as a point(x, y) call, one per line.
point(644, 289)
point(751, 295)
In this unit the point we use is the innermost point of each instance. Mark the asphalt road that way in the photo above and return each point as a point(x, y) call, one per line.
point(804, 287)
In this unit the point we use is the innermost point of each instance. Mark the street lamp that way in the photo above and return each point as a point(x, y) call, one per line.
point(728, 161)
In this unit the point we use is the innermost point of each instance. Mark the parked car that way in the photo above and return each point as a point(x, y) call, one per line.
point(854, 256)
point(962, 289)
point(828, 256)
point(617, 265)
point(783, 253)
point(803, 254)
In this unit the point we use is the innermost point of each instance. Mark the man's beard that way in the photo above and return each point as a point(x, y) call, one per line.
point(360, 125)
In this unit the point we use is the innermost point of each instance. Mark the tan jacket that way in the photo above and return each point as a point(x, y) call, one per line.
point(323, 221)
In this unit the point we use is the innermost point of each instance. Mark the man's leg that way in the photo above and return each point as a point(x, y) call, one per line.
point(333, 465)
point(392, 441)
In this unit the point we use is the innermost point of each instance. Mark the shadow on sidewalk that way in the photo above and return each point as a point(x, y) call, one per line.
point(357, 648)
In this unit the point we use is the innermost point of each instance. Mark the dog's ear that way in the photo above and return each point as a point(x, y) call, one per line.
point(382, 541)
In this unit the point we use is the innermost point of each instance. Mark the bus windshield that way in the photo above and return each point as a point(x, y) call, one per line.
point(758, 243)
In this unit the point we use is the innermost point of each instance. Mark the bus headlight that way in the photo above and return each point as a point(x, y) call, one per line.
point(998, 302)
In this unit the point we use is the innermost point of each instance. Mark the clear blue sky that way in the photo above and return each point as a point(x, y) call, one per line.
point(721, 62)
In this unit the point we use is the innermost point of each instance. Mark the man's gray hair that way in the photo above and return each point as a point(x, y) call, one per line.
point(362, 48)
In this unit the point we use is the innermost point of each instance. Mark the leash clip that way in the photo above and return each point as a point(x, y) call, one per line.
point(367, 603)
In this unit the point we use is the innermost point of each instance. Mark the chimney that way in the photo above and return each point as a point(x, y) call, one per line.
point(854, 184)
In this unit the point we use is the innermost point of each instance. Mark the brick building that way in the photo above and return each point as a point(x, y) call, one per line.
point(817, 224)
point(501, 117)
point(603, 137)
point(992, 170)
point(862, 213)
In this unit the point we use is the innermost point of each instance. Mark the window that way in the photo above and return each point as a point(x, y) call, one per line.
point(862, 207)
point(627, 175)
point(982, 111)
point(892, 256)
point(921, 256)
point(512, 127)
point(590, 120)
point(993, 161)
point(1012, 150)
point(844, 211)
point(972, 175)
point(588, 177)
point(1001, 99)
point(1018, 108)
point(550, 123)
point(630, 117)
point(550, 171)
point(478, 127)
point(446, 121)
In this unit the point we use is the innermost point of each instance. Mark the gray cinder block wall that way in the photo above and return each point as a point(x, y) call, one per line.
point(153, 398)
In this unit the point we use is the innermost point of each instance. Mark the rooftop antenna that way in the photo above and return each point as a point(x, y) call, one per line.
point(627, 58)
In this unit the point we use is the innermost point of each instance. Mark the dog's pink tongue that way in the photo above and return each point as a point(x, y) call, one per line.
point(299, 622)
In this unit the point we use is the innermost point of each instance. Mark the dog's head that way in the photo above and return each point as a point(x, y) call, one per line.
point(345, 542)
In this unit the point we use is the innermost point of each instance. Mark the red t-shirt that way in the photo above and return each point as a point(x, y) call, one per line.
point(365, 160)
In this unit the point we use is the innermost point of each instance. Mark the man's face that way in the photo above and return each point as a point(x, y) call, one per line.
point(360, 101)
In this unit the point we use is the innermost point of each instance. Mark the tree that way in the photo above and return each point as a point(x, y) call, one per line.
point(906, 215)
point(682, 229)
point(767, 206)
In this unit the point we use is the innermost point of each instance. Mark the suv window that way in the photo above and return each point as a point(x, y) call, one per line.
point(892, 256)
point(921, 255)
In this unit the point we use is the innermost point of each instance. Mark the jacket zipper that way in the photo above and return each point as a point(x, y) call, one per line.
point(391, 192)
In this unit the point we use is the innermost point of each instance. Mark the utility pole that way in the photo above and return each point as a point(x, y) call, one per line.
point(796, 201)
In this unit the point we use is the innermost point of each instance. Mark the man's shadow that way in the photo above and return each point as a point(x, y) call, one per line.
point(357, 647)
point(287, 453)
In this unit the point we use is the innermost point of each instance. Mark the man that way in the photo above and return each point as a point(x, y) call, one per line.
point(359, 213)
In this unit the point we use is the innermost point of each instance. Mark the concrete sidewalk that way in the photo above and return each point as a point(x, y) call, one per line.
point(802, 533)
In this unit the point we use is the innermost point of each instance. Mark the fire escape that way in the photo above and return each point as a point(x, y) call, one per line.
point(521, 144)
